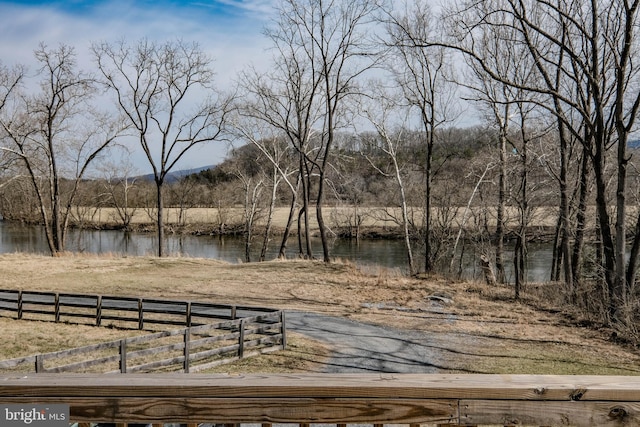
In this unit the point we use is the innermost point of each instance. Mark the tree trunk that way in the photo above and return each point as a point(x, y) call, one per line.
point(608, 250)
point(322, 228)
point(621, 238)
point(405, 217)
point(306, 188)
point(502, 194)
point(287, 230)
point(633, 259)
point(581, 217)
point(160, 222)
point(56, 218)
point(272, 205)
point(301, 214)
point(565, 248)
point(519, 263)
point(428, 257)
point(520, 250)
point(487, 270)
point(556, 256)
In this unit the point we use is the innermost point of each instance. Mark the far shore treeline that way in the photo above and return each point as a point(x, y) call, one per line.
point(357, 128)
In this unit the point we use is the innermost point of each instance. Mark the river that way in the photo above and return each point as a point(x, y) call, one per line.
point(372, 253)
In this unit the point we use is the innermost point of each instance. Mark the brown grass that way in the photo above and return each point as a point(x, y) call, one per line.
point(481, 329)
point(337, 216)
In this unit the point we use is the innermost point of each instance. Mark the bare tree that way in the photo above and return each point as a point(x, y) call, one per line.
point(10, 80)
point(252, 188)
point(326, 40)
point(253, 123)
point(57, 133)
point(426, 80)
point(165, 92)
point(118, 182)
point(382, 112)
point(285, 100)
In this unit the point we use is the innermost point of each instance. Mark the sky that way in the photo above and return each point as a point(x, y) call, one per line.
point(231, 31)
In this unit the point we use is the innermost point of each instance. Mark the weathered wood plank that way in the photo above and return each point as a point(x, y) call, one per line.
point(252, 328)
point(586, 413)
point(72, 367)
point(157, 364)
point(233, 349)
point(156, 350)
point(152, 337)
point(292, 410)
point(261, 341)
point(83, 350)
point(474, 386)
point(12, 363)
point(208, 365)
point(210, 340)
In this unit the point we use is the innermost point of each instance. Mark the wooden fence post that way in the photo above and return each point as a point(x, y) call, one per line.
point(283, 329)
point(241, 340)
point(233, 312)
point(57, 307)
point(187, 339)
point(123, 356)
point(140, 315)
point(19, 305)
point(39, 363)
point(188, 314)
point(99, 311)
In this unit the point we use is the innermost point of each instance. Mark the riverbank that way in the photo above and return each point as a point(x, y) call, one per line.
point(478, 329)
point(342, 221)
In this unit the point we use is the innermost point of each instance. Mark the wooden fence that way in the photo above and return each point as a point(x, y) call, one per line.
point(238, 332)
point(138, 313)
point(339, 399)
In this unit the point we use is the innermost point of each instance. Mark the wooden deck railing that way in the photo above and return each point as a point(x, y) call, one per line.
point(466, 400)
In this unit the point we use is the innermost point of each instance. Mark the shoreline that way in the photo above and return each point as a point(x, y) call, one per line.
point(535, 234)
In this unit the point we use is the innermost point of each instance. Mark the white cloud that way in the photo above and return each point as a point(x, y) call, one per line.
point(232, 42)
point(254, 6)
point(233, 39)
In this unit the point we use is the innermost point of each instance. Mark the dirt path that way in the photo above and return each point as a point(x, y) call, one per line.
point(362, 347)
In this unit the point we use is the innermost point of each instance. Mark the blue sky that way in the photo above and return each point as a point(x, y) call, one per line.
point(228, 30)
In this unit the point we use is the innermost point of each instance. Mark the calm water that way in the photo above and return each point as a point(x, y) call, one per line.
point(384, 253)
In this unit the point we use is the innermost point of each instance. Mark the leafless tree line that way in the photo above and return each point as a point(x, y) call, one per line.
point(574, 62)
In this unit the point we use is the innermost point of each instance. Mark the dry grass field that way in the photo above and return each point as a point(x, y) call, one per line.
point(493, 334)
point(340, 216)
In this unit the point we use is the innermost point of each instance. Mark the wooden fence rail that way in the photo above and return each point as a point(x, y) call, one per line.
point(128, 311)
point(247, 332)
point(339, 399)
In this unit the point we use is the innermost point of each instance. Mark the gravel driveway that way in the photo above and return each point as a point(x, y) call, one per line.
point(362, 347)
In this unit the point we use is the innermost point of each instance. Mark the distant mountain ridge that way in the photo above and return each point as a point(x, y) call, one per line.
point(175, 176)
